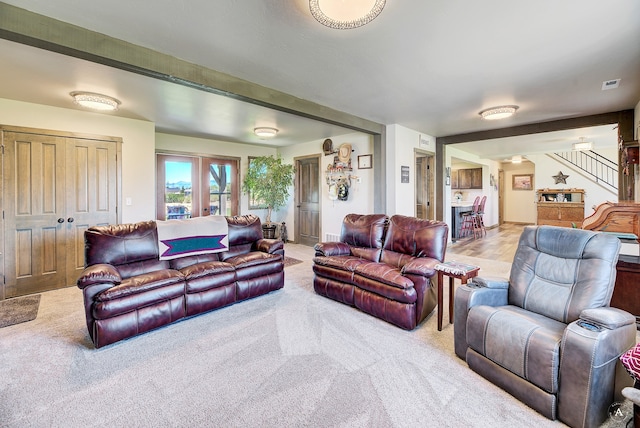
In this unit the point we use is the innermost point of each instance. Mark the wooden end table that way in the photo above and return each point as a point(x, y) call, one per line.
point(453, 270)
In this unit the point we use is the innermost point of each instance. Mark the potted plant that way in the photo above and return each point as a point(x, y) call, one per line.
point(268, 181)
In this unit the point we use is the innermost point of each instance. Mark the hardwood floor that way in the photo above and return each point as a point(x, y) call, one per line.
point(500, 243)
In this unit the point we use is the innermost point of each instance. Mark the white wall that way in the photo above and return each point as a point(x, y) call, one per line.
point(519, 206)
point(360, 198)
point(138, 160)
point(401, 149)
point(207, 147)
point(546, 167)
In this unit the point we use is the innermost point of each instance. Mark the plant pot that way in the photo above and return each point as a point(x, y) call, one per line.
point(269, 231)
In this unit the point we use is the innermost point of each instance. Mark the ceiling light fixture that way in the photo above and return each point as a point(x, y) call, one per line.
point(500, 112)
point(344, 15)
point(95, 101)
point(582, 145)
point(516, 159)
point(264, 132)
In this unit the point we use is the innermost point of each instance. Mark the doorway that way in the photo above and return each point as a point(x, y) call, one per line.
point(424, 185)
point(307, 198)
point(55, 186)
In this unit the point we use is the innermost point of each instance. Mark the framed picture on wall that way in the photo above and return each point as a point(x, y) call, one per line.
point(365, 161)
point(522, 182)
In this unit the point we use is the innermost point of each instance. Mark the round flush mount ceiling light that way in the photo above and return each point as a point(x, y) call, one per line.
point(496, 113)
point(344, 15)
point(95, 101)
point(265, 132)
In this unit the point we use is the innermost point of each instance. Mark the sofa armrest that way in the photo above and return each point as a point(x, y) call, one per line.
point(332, 249)
point(99, 274)
point(590, 351)
point(423, 266)
point(271, 246)
point(481, 291)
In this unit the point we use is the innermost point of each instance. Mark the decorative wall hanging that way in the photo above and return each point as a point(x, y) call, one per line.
point(344, 154)
point(327, 147)
point(560, 178)
point(522, 182)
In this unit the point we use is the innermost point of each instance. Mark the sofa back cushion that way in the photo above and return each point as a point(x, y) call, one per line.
point(364, 230)
point(414, 237)
point(244, 231)
point(558, 272)
point(121, 244)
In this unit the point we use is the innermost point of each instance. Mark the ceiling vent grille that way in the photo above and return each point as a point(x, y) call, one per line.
point(610, 84)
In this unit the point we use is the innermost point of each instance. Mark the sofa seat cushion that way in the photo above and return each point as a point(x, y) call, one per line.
point(208, 275)
point(139, 291)
point(523, 342)
point(345, 263)
point(390, 292)
point(385, 274)
point(252, 258)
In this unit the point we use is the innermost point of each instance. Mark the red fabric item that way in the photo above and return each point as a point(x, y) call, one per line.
point(631, 361)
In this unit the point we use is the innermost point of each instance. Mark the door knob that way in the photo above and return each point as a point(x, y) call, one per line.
point(70, 219)
point(60, 220)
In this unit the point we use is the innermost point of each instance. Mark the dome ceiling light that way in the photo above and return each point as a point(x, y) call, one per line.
point(264, 132)
point(95, 101)
point(582, 145)
point(500, 112)
point(344, 15)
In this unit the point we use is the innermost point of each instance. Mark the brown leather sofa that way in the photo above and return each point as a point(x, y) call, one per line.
point(383, 266)
point(128, 290)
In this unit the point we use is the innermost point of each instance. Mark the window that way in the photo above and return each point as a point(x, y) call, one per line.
point(194, 186)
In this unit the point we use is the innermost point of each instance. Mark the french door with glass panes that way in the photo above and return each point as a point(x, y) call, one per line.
point(194, 186)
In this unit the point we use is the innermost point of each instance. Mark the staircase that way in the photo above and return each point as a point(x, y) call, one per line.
point(600, 169)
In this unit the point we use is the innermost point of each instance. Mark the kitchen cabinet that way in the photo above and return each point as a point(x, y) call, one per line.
point(468, 178)
point(560, 207)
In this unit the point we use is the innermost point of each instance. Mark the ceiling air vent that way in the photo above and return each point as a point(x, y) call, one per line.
point(610, 84)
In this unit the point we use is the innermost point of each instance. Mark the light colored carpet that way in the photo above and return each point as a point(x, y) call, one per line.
point(288, 359)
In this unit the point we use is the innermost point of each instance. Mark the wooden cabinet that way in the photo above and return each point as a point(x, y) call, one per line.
point(626, 294)
point(560, 207)
point(470, 178)
point(454, 179)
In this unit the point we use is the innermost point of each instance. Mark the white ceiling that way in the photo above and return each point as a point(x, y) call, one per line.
point(428, 65)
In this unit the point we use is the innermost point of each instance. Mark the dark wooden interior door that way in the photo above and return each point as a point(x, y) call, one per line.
point(307, 230)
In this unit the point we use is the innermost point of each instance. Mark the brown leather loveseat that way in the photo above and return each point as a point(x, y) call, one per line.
point(128, 290)
point(383, 266)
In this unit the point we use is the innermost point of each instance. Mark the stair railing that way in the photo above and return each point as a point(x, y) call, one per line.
point(598, 167)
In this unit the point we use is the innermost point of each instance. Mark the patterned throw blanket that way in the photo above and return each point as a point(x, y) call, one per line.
point(199, 235)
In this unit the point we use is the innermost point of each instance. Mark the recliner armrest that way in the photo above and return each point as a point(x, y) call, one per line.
point(332, 249)
point(607, 317)
point(489, 282)
point(423, 266)
point(590, 351)
point(482, 291)
point(99, 274)
point(269, 245)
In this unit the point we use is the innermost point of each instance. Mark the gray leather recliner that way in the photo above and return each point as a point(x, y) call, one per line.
point(547, 334)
